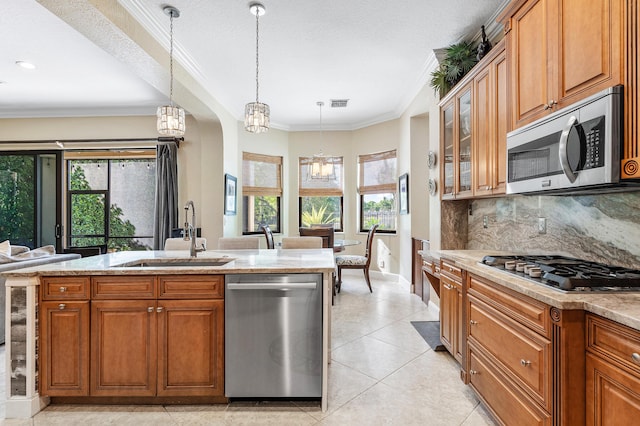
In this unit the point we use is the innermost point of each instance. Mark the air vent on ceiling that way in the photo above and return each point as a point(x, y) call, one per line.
point(339, 103)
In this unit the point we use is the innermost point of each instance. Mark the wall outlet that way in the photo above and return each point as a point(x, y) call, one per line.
point(381, 264)
point(542, 225)
point(485, 221)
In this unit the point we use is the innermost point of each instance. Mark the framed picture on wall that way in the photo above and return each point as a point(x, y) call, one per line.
point(403, 194)
point(230, 194)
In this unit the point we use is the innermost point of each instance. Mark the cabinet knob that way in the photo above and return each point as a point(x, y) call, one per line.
point(63, 289)
point(473, 372)
point(525, 363)
point(62, 306)
point(635, 357)
point(159, 309)
point(551, 104)
point(472, 322)
point(150, 309)
point(448, 287)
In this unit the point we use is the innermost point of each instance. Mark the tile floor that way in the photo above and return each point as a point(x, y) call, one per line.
point(382, 373)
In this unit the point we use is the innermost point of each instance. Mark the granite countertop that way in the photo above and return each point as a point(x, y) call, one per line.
point(244, 261)
point(620, 307)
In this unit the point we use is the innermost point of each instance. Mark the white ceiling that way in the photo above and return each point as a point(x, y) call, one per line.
point(376, 53)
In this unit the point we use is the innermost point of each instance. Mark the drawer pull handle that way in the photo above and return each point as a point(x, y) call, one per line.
point(525, 363)
point(63, 289)
point(62, 306)
point(448, 287)
point(635, 357)
point(472, 322)
point(473, 372)
point(150, 309)
point(159, 309)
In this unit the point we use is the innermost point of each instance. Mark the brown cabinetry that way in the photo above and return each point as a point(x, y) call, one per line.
point(64, 331)
point(561, 51)
point(145, 337)
point(612, 373)
point(490, 119)
point(456, 125)
point(474, 124)
point(451, 309)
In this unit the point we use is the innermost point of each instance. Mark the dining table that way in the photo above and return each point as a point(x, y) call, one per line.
point(339, 244)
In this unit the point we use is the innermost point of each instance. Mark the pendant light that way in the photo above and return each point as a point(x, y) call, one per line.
point(256, 114)
point(321, 167)
point(170, 117)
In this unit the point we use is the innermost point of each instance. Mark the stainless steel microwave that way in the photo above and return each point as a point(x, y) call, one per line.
point(574, 149)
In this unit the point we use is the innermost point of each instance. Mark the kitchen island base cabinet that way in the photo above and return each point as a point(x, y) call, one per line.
point(162, 344)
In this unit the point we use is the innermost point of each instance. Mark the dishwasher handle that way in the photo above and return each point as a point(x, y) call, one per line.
point(272, 286)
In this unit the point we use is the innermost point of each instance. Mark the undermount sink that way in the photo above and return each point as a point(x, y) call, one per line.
point(174, 263)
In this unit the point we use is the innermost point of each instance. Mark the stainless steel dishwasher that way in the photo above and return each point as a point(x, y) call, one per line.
point(273, 336)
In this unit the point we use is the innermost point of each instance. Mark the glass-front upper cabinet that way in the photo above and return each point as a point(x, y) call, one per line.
point(456, 125)
point(447, 172)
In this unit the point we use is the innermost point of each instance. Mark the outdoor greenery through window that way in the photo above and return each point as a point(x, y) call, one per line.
point(261, 192)
point(111, 201)
point(320, 199)
point(378, 191)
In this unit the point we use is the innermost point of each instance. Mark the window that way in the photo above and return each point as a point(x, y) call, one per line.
point(261, 192)
point(320, 200)
point(377, 189)
point(30, 198)
point(111, 200)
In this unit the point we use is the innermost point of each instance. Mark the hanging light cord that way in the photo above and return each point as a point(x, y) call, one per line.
point(257, 51)
point(171, 57)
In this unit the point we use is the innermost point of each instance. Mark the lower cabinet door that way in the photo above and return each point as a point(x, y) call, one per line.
point(190, 347)
point(123, 348)
point(613, 395)
point(448, 303)
point(510, 406)
point(64, 348)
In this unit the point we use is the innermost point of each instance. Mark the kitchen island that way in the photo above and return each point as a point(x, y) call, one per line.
point(65, 295)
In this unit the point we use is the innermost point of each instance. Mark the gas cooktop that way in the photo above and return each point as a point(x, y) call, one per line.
point(568, 274)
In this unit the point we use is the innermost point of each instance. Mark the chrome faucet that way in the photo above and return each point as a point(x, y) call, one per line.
point(190, 230)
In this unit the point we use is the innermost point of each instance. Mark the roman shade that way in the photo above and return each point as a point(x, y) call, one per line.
point(377, 173)
point(261, 175)
point(308, 187)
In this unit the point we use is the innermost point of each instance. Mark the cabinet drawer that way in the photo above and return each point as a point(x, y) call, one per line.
point(123, 287)
point(448, 268)
point(525, 355)
point(614, 340)
point(510, 406)
point(65, 288)
point(191, 286)
point(531, 313)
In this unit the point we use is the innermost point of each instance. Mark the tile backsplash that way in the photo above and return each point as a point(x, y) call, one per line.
point(602, 228)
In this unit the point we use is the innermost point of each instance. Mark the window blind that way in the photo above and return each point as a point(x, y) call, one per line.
point(261, 175)
point(377, 173)
point(308, 187)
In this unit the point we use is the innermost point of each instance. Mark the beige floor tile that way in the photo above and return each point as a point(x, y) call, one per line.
point(372, 357)
point(402, 334)
point(479, 417)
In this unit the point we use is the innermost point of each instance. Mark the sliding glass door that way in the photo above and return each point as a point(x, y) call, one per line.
point(31, 198)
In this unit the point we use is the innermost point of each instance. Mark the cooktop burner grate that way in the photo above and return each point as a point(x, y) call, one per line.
point(568, 274)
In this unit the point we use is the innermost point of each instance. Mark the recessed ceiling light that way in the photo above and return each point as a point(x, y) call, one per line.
point(25, 64)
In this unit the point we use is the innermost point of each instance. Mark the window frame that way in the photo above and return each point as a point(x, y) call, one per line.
point(389, 187)
point(328, 191)
point(249, 190)
point(109, 157)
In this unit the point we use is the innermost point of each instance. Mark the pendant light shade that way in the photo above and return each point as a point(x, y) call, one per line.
point(322, 167)
point(171, 117)
point(257, 114)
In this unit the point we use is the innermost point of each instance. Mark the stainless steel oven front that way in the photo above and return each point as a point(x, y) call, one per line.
point(572, 149)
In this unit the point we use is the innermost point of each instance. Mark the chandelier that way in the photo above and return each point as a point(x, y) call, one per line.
point(170, 117)
point(256, 114)
point(322, 167)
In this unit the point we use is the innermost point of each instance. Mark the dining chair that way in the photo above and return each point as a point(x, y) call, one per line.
point(325, 233)
point(301, 242)
point(349, 261)
point(268, 235)
point(182, 244)
point(238, 243)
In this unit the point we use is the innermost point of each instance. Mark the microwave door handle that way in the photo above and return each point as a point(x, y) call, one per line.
point(562, 149)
